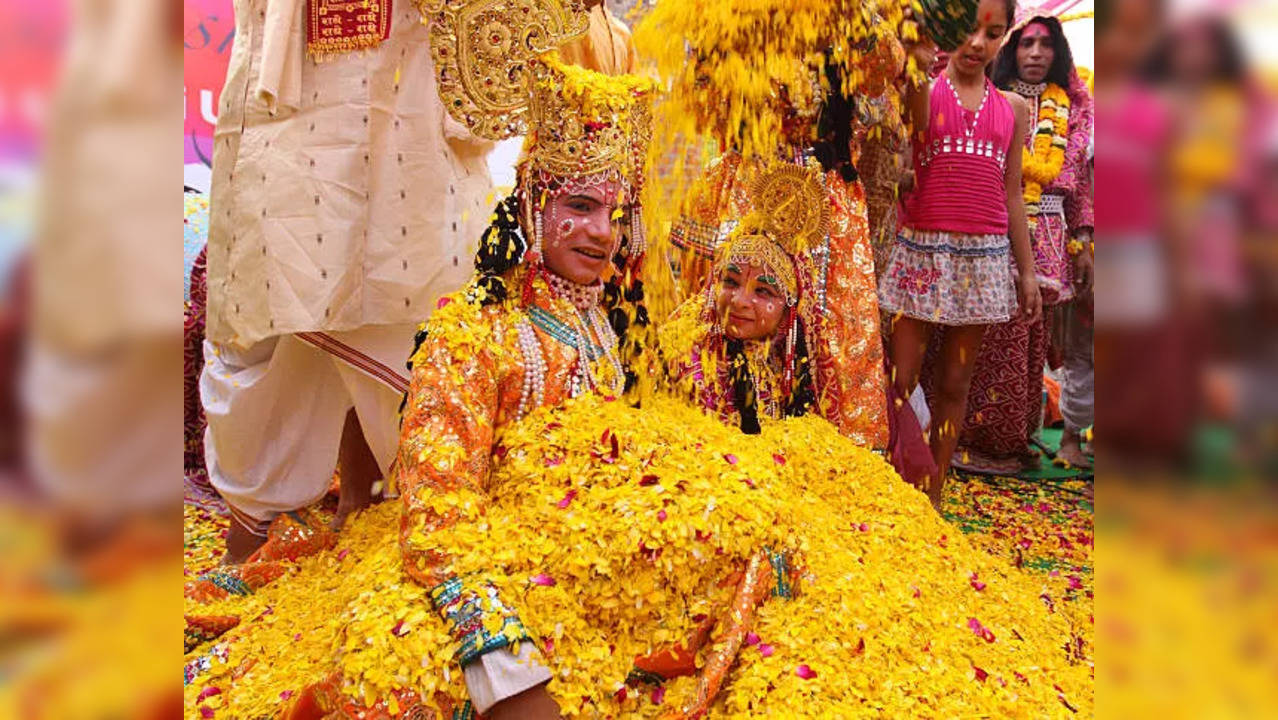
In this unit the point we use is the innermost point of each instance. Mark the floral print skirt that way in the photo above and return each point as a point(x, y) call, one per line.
point(949, 278)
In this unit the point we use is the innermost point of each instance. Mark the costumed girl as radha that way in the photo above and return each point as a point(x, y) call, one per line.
point(769, 82)
point(740, 347)
point(587, 557)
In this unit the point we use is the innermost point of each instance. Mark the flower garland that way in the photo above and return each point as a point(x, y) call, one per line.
point(1046, 155)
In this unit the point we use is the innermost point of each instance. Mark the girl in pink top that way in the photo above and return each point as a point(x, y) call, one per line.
point(951, 264)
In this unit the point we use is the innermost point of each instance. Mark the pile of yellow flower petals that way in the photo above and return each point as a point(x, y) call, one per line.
point(611, 529)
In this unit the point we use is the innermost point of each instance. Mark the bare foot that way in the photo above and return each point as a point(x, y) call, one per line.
point(240, 544)
point(358, 470)
point(1072, 451)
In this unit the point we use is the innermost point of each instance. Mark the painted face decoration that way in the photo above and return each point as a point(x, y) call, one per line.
point(580, 230)
point(749, 302)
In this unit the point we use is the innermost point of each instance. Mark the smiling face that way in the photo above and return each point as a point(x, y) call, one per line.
point(1035, 53)
point(982, 44)
point(580, 233)
point(749, 302)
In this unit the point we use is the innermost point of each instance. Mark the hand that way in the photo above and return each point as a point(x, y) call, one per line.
point(532, 704)
point(922, 50)
point(1029, 298)
point(1084, 267)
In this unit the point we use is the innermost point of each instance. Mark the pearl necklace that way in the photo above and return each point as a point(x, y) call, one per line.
point(588, 332)
point(969, 131)
point(581, 296)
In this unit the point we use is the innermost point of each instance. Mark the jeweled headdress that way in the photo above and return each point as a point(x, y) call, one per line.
point(752, 245)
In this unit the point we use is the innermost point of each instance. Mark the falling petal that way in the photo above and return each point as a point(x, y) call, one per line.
point(752, 638)
point(543, 579)
point(567, 500)
point(805, 672)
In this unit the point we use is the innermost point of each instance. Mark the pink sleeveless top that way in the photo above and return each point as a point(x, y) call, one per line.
point(959, 167)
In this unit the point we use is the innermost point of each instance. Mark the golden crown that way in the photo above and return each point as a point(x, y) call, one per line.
point(582, 122)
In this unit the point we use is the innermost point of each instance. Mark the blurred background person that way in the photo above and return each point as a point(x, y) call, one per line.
point(1142, 368)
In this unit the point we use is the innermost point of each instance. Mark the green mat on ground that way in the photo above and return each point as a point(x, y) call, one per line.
point(1050, 438)
point(1047, 443)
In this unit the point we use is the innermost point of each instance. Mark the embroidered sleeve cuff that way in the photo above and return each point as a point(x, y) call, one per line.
point(503, 674)
point(477, 619)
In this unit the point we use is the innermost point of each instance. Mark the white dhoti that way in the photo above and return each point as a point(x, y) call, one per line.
point(276, 410)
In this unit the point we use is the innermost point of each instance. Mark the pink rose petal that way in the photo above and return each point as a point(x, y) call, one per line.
point(661, 516)
point(543, 579)
point(863, 527)
point(778, 458)
point(977, 583)
point(980, 674)
point(658, 694)
point(206, 712)
point(342, 555)
point(805, 672)
point(752, 638)
point(567, 499)
point(732, 459)
point(980, 630)
point(766, 650)
point(286, 694)
point(207, 693)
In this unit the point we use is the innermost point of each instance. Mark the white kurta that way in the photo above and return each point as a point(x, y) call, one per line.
point(342, 195)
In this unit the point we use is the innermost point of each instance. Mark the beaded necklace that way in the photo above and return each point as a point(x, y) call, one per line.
point(587, 332)
point(969, 131)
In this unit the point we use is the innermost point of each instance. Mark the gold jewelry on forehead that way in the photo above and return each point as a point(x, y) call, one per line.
point(498, 75)
point(760, 249)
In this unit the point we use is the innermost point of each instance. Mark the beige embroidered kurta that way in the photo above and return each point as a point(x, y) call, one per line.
point(342, 194)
